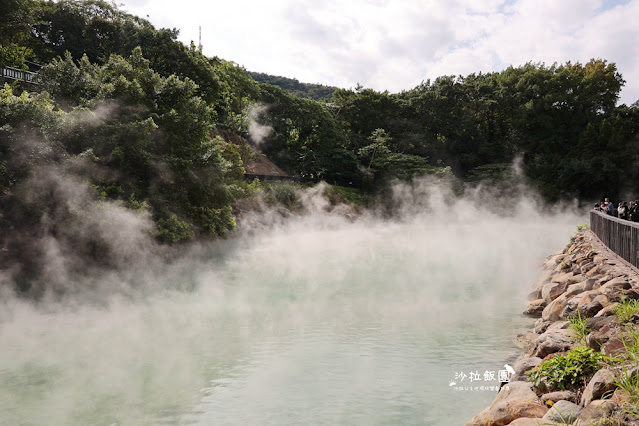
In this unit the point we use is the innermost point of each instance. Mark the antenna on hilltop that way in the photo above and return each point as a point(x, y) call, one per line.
point(199, 46)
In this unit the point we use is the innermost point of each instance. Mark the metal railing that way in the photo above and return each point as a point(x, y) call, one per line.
point(17, 74)
point(621, 236)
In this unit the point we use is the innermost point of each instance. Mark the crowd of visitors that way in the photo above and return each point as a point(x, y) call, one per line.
point(622, 211)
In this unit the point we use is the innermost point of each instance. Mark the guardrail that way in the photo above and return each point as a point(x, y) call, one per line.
point(621, 236)
point(251, 176)
point(17, 74)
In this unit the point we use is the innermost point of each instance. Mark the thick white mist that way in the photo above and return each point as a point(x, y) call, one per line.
point(320, 319)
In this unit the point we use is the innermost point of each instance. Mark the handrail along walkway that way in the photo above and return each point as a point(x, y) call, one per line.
point(17, 74)
point(620, 236)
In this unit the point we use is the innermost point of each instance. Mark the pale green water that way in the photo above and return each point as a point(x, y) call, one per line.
point(321, 321)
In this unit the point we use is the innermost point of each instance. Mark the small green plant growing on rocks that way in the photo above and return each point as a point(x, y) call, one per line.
point(582, 227)
point(568, 371)
point(578, 325)
point(627, 310)
point(628, 378)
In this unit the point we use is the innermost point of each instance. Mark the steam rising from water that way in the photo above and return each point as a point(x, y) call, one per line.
point(258, 131)
point(321, 318)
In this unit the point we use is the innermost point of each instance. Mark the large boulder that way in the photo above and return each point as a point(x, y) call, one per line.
point(594, 271)
point(597, 323)
point(599, 338)
point(553, 341)
point(589, 309)
point(602, 382)
point(573, 303)
point(498, 413)
point(614, 288)
point(518, 409)
point(523, 365)
point(526, 339)
point(529, 421)
point(560, 396)
point(564, 412)
point(553, 311)
point(535, 308)
point(553, 290)
point(595, 412)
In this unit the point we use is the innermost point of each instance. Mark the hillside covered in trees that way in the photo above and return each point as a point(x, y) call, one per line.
point(124, 115)
point(317, 92)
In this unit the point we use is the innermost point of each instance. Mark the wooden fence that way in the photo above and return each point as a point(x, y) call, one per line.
point(621, 236)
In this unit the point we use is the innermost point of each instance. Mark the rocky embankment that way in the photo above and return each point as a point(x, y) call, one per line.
point(584, 281)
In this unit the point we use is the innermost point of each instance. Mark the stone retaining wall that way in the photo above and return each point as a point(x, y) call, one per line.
point(584, 279)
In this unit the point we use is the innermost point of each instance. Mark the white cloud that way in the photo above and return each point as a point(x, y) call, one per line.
point(395, 45)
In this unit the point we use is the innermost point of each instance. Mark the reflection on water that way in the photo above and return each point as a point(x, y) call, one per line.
point(335, 324)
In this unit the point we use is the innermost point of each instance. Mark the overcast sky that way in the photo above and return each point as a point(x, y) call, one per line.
point(394, 45)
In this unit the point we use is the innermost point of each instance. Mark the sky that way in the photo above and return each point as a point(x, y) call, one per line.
point(395, 45)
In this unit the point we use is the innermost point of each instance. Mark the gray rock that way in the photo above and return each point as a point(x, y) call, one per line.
point(595, 411)
point(597, 339)
point(601, 383)
point(528, 421)
point(590, 309)
point(602, 299)
point(614, 289)
point(608, 310)
point(535, 308)
point(585, 267)
point(597, 323)
point(497, 413)
point(567, 277)
point(563, 411)
point(534, 295)
point(541, 326)
point(553, 341)
point(526, 339)
point(523, 365)
point(574, 289)
point(553, 311)
point(553, 289)
point(559, 325)
point(631, 294)
point(560, 396)
point(589, 284)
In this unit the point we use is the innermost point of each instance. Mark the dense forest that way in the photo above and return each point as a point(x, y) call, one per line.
point(317, 92)
point(126, 115)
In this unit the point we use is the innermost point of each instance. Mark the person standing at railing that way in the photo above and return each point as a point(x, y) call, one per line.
point(622, 211)
point(610, 208)
point(633, 211)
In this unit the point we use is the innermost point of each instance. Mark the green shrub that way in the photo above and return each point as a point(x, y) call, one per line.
point(215, 222)
point(284, 193)
point(344, 195)
point(173, 230)
point(568, 371)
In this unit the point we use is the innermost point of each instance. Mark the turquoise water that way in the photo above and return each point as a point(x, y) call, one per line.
point(319, 321)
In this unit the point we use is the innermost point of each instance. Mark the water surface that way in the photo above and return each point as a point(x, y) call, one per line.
point(319, 321)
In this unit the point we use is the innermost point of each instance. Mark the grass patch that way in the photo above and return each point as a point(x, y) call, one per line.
point(578, 325)
point(628, 380)
point(627, 310)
